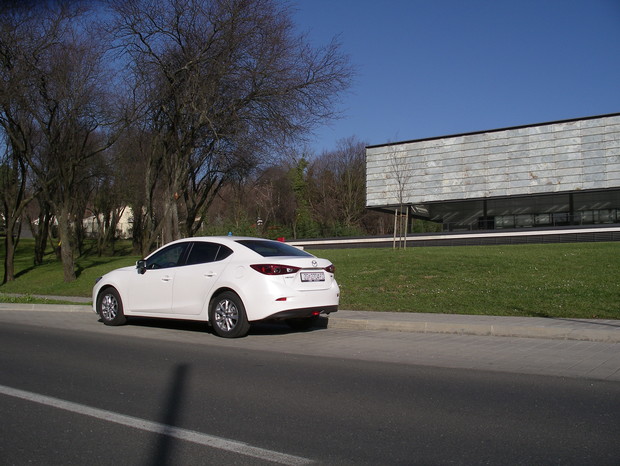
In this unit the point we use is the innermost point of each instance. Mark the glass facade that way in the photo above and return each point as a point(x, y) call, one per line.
point(589, 217)
point(559, 209)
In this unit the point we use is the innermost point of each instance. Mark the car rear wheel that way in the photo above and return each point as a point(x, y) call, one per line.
point(227, 316)
point(110, 307)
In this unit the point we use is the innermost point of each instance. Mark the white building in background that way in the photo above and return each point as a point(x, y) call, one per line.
point(123, 228)
point(550, 174)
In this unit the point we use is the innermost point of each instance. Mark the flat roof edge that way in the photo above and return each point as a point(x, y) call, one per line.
point(571, 120)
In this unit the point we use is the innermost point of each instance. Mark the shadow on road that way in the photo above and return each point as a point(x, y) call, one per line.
point(163, 453)
point(257, 328)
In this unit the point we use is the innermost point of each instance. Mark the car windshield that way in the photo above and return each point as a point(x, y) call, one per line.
point(272, 248)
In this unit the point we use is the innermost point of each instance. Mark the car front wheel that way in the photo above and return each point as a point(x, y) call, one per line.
point(227, 316)
point(110, 307)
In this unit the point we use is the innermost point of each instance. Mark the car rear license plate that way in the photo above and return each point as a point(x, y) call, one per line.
point(312, 277)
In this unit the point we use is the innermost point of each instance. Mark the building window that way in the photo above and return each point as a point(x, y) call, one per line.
point(524, 221)
point(542, 219)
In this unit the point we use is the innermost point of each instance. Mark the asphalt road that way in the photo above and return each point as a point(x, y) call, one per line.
point(75, 392)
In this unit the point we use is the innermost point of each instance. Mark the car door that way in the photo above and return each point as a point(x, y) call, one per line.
point(151, 292)
point(206, 262)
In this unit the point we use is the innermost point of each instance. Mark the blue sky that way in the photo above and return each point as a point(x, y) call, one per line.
point(437, 67)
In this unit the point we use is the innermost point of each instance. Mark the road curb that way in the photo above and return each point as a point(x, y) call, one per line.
point(573, 330)
point(45, 307)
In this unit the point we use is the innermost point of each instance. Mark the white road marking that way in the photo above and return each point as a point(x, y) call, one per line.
point(163, 429)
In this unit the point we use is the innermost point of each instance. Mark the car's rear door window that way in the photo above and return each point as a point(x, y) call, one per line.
point(203, 252)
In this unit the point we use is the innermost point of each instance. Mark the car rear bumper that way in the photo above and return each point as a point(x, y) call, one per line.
point(303, 312)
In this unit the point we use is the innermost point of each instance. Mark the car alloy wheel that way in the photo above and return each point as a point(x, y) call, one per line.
point(228, 316)
point(110, 307)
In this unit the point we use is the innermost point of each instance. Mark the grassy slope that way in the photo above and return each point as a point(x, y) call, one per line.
point(556, 280)
point(559, 280)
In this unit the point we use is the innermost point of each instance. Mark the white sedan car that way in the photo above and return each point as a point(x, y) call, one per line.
point(227, 281)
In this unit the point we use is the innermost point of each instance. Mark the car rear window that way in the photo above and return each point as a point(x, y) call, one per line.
point(272, 248)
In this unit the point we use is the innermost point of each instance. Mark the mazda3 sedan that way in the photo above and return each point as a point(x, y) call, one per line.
point(227, 281)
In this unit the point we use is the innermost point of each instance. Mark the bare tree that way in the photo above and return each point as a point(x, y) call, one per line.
point(109, 199)
point(400, 173)
point(223, 83)
point(62, 92)
point(14, 198)
point(271, 199)
point(19, 135)
point(339, 184)
point(125, 176)
point(40, 217)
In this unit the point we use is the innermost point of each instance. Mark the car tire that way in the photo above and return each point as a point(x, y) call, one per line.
point(303, 323)
point(110, 307)
point(227, 316)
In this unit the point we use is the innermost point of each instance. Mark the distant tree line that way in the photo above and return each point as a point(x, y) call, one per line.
point(190, 113)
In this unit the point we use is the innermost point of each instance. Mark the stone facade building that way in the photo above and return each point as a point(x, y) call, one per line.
point(543, 175)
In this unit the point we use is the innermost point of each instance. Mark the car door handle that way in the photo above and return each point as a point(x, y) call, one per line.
point(166, 278)
point(210, 274)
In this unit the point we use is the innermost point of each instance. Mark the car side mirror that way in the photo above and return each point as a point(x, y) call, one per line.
point(141, 266)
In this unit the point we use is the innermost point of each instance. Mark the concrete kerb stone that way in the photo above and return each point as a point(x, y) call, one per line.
point(573, 329)
point(45, 307)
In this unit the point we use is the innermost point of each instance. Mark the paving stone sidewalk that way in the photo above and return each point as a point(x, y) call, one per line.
point(525, 327)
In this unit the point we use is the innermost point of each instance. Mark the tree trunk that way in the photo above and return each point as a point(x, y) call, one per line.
point(41, 234)
point(9, 256)
point(170, 230)
point(137, 231)
point(66, 248)
point(174, 224)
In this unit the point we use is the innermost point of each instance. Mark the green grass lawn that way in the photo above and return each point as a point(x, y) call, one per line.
point(47, 279)
point(551, 280)
point(576, 280)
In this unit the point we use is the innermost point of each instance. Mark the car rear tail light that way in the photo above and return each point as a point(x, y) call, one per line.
point(330, 268)
point(274, 269)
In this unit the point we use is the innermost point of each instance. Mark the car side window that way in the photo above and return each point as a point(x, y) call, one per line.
point(168, 257)
point(202, 252)
point(223, 253)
